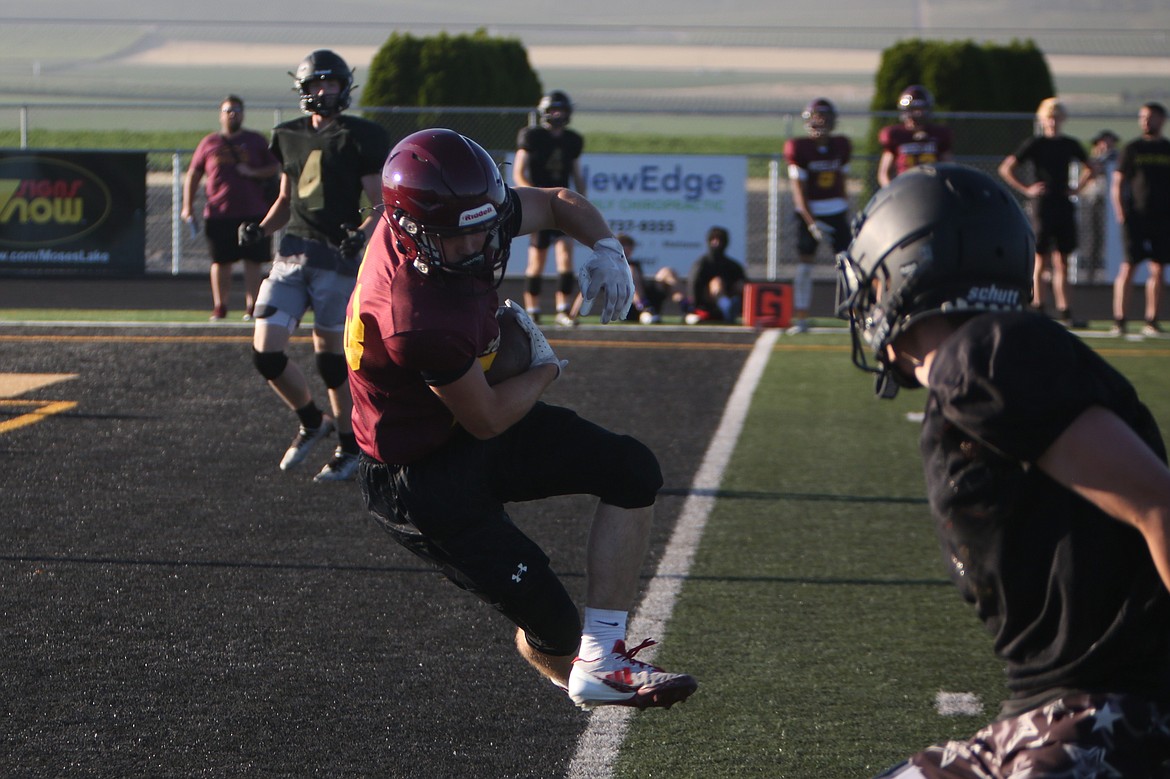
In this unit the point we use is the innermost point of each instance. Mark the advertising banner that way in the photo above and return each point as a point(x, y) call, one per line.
point(666, 203)
point(72, 212)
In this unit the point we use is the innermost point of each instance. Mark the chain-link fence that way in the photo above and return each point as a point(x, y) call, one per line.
point(769, 249)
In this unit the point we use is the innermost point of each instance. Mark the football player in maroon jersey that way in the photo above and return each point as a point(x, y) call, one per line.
point(817, 167)
point(443, 451)
point(916, 140)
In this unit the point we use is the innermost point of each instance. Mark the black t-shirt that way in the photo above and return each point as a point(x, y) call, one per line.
point(1145, 164)
point(711, 266)
point(1050, 158)
point(1070, 595)
point(326, 170)
point(550, 157)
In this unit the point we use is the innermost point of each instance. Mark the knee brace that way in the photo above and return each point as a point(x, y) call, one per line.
point(532, 285)
point(270, 364)
point(332, 368)
point(565, 282)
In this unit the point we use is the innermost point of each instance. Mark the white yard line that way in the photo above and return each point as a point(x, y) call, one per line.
point(598, 748)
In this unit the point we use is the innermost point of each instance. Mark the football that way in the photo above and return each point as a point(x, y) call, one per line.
point(515, 352)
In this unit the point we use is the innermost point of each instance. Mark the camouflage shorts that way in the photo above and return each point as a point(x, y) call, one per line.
point(1122, 736)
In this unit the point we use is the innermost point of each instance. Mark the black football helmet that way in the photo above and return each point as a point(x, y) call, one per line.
point(916, 103)
point(820, 117)
point(555, 109)
point(437, 183)
point(942, 239)
point(323, 65)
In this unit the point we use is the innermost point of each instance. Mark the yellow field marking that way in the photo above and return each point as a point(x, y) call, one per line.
point(15, 384)
point(39, 411)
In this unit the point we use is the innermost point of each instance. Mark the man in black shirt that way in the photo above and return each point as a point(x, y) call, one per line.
point(1053, 212)
point(1141, 200)
point(1046, 477)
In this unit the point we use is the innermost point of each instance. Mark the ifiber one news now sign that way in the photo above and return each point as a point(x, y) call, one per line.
point(75, 212)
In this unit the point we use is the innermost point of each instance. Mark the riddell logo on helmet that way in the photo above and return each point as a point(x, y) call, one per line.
point(475, 216)
point(994, 295)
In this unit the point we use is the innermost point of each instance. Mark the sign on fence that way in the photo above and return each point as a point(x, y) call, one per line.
point(666, 203)
point(72, 212)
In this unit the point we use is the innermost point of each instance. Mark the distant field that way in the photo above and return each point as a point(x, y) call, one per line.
point(715, 68)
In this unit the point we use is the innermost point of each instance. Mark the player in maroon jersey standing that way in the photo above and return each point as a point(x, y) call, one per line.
point(817, 167)
point(915, 140)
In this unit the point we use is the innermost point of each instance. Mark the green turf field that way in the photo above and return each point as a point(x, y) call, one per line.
point(818, 616)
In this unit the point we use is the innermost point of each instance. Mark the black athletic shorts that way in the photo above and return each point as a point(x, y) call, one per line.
point(1147, 238)
point(805, 242)
point(223, 240)
point(542, 239)
point(449, 509)
point(1055, 225)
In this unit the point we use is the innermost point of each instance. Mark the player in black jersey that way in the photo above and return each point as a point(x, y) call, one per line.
point(549, 155)
point(1046, 477)
point(328, 161)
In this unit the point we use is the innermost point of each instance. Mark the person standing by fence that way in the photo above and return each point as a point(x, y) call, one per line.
point(1054, 216)
point(235, 164)
point(1141, 200)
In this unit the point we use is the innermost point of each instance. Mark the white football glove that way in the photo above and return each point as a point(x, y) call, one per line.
point(607, 270)
point(542, 353)
point(822, 231)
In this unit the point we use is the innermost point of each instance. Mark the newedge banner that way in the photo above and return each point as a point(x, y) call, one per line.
point(72, 212)
point(666, 203)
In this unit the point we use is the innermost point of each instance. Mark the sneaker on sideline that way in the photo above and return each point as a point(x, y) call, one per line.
point(306, 439)
point(564, 320)
point(618, 679)
point(801, 326)
point(1152, 330)
point(343, 467)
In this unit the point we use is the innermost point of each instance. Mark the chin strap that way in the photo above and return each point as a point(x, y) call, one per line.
point(885, 386)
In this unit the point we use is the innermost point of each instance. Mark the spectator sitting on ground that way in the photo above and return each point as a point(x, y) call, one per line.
point(716, 282)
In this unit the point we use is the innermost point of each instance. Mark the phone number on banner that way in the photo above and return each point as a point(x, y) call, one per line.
point(642, 225)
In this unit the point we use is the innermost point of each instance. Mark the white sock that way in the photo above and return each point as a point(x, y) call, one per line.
point(602, 628)
point(802, 287)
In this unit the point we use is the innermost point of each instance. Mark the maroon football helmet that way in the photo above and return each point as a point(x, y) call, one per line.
point(916, 103)
point(820, 117)
point(436, 184)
